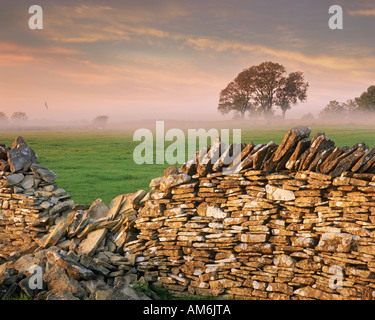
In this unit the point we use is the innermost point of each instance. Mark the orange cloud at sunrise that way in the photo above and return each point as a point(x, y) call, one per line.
point(170, 59)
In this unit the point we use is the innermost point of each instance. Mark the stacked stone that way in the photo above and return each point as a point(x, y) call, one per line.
point(41, 226)
point(295, 221)
point(292, 221)
point(30, 201)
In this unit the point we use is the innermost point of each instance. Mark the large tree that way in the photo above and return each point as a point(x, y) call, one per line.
point(236, 97)
point(261, 87)
point(292, 90)
point(366, 102)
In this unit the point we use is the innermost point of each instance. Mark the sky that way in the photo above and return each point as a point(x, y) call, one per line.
point(164, 59)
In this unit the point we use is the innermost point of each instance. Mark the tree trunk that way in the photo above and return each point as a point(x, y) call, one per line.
point(283, 113)
point(243, 114)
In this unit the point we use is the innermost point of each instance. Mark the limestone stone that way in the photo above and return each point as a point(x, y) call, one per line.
point(335, 242)
point(215, 212)
point(60, 282)
point(97, 210)
point(62, 206)
point(91, 243)
point(275, 193)
point(291, 140)
point(299, 150)
point(57, 233)
point(73, 268)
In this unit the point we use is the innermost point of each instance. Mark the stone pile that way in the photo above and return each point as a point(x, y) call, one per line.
point(79, 248)
point(30, 201)
point(296, 221)
point(292, 221)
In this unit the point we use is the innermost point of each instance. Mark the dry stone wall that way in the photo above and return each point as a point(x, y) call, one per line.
point(78, 248)
point(294, 221)
point(30, 201)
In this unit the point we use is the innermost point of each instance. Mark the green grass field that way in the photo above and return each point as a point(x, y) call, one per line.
point(99, 164)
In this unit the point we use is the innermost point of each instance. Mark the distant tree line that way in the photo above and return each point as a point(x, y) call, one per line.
point(16, 116)
point(365, 103)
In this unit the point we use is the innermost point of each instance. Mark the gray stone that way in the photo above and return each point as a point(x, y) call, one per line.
point(45, 205)
point(63, 206)
point(89, 263)
point(61, 296)
point(14, 179)
point(24, 284)
point(43, 173)
point(97, 210)
point(28, 182)
point(21, 156)
point(124, 292)
point(59, 192)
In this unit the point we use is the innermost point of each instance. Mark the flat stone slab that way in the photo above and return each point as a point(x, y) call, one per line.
point(90, 244)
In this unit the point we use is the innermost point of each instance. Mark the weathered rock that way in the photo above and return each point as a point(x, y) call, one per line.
point(58, 232)
point(28, 182)
point(347, 163)
point(124, 292)
point(331, 162)
point(370, 154)
point(61, 283)
point(318, 145)
point(335, 242)
point(3, 152)
point(216, 213)
point(43, 173)
point(291, 140)
point(190, 166)
point(208, 160)
point(73, 268)
point(301, 147)
point(173, 180)
point(62, 206)
point(14, 179)
point(4, 165)
point(90, 244)
point(171, 171)
point(275, 193)
point(309, 292)
point(21, 156)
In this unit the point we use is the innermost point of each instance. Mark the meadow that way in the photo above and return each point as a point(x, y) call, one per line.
point(93, 164)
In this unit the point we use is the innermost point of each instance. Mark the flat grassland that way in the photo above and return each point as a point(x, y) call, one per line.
point(93, 164)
